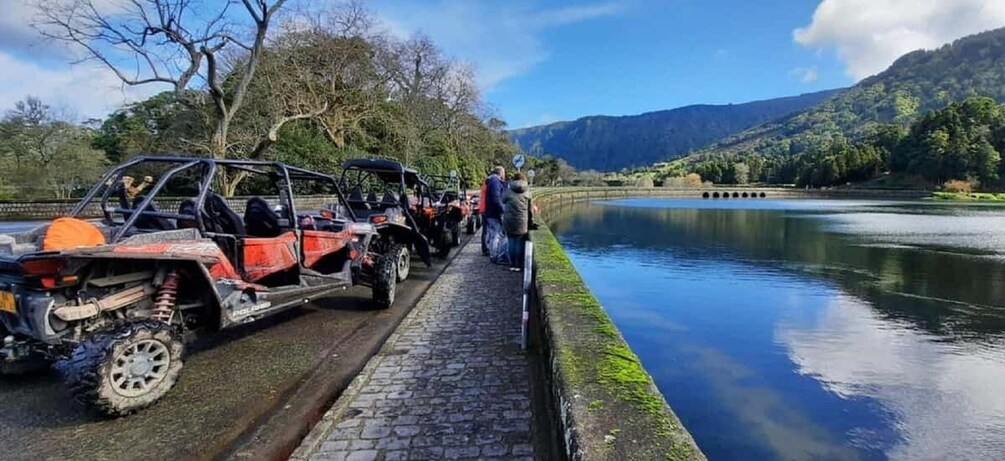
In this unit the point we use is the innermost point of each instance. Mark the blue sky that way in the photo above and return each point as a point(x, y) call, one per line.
point(542, 61)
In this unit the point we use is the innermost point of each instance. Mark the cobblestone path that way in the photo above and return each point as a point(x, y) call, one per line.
point(450, 383)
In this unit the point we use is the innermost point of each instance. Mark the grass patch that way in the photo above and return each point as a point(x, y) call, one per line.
point(968, 196)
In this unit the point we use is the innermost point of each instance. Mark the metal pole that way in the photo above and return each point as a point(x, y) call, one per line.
point(528, 268)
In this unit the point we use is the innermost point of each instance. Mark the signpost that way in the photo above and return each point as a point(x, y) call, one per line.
point(518, 161)
point(530, 175)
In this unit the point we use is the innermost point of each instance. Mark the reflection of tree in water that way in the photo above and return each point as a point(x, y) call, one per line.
point(953, 295)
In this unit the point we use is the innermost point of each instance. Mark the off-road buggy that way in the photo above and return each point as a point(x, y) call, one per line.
point(396, 200)
point(113, 301)
point(451, 194)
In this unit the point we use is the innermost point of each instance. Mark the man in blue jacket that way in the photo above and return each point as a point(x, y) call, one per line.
point(495, 186)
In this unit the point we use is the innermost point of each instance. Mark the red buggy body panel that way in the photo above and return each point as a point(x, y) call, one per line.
point(318, 244)
point(267, 256)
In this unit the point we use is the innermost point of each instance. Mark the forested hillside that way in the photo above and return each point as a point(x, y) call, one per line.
point(877, 114)
point(612, 143)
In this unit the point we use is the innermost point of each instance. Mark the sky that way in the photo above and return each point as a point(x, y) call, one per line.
point(544, 61)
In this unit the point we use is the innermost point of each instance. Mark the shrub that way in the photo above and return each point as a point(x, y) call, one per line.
point(958, 186)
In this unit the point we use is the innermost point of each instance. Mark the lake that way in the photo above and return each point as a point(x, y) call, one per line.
point(806, 329)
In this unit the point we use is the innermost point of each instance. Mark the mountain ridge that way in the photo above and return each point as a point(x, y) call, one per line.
point(612, 142)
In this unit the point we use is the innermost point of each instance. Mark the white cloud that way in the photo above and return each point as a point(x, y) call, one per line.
point(84, 89)
point(868, 35)
point(502, 39)
point(805, 74)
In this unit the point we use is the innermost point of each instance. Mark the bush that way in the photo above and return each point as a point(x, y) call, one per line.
point(645, 182)
point(958, 186)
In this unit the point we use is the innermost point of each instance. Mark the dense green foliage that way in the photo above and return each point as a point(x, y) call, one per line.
point(963, 141)
point(42, 156)
point(612, 143)
point(901, 120)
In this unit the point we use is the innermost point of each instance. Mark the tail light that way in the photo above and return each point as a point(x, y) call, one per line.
point(47, 270)
point(40, 267)
point(378, 219)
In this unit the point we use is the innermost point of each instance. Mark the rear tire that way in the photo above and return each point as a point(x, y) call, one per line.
point(471, 225)
point(126, 369)
point(385, 281)
point(400, 254)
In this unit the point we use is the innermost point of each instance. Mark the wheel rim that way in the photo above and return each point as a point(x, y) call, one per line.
point(140, 368)
point(403, 260)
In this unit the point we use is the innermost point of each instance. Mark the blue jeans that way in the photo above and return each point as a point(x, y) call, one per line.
point(515, 249)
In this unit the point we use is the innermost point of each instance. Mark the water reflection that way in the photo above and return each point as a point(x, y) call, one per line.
point(809, 330)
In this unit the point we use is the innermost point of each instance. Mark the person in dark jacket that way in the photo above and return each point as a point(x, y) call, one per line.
point(516, 219)
point(494, 188)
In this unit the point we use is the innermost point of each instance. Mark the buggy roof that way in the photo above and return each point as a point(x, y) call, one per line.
point(387, 170)
point(379, 165)
point(251, 166)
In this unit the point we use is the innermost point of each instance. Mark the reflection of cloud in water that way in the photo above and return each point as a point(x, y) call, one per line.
point(791, 434)
point(982, 231)
point(947, 398)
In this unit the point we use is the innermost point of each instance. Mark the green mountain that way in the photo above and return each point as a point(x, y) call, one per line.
point(611, 143)
point(917, 83)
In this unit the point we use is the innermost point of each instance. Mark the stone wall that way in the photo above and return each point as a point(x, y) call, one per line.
point(606, 405)
point(41, 210)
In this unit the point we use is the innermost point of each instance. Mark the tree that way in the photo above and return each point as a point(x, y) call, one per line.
point(171, 42)
point(741, 173)
point(45, 155)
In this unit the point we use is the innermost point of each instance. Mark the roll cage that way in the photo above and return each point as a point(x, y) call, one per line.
point(111, 183)
point(374, 175)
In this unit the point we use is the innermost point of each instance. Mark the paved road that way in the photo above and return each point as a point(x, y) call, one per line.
point(450, 383)
point(262, 376)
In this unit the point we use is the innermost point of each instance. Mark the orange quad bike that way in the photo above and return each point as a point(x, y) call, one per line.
point(111, 301)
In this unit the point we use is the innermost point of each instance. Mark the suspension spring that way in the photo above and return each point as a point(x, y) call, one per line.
point(167, 295)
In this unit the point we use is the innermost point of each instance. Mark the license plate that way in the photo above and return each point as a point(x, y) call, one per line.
point(7, 303)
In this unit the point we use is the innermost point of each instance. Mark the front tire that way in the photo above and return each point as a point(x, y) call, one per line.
point(404, 260)
point(385, 282)
point(126, 369)
point(455, 234)
point(443, 246)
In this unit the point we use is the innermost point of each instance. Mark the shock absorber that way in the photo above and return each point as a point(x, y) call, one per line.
point(167, 295)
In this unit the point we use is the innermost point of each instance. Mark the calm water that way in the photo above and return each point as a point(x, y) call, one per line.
point(810, 329)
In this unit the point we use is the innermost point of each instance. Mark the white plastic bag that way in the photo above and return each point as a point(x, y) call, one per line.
point(496, 242)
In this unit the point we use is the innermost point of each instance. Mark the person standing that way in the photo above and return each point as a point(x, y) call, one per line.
point(481, 213)
point(516, 219)
point(494, 189)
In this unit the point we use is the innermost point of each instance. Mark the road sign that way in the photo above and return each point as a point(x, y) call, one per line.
point(519, 160)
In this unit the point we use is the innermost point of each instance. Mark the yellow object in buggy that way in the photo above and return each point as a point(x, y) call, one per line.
point(66, 233)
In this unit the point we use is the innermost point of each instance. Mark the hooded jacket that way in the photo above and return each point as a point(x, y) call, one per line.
point(494, 191)
point(516, 212)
